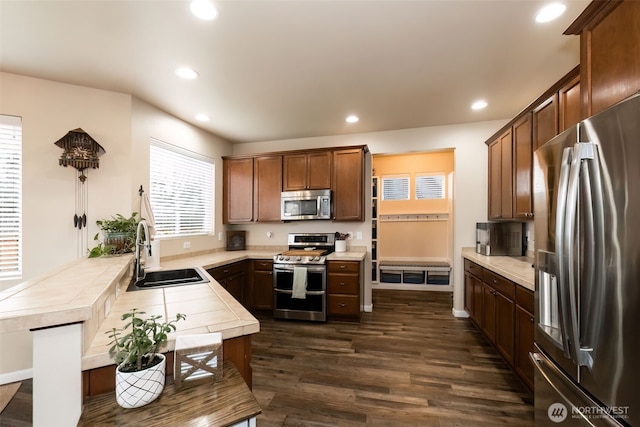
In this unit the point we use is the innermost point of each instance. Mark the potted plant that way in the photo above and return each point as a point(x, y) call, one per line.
point(140, 370)
point(119, 235)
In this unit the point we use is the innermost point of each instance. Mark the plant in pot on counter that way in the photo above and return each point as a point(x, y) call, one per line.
point(140, 370)
point(119, 235)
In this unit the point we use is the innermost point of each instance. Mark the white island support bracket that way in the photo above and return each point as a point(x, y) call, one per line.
point(57, 375)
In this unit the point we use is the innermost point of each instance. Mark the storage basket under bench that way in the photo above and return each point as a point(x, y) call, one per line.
point(415, 272)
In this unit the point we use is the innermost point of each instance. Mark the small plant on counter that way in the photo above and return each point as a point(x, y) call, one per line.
point(134, 347)
point(119, 235)
point(341, 236)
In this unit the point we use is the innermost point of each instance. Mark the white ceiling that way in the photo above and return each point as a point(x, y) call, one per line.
point(279, 69)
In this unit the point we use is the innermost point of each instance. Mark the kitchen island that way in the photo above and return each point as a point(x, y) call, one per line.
point(69, 310)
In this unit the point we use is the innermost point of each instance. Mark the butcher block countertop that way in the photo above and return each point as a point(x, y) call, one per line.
point(223, 403)
point(518, 270)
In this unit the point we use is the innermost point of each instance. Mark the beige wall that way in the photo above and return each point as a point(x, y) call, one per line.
point(123, 126)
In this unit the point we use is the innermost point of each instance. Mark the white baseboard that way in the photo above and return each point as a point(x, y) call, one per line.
point(368, 308)
point(459, 313)
point(12, 377)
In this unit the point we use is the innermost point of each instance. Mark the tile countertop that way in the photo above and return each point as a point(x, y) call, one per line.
point(517, 270)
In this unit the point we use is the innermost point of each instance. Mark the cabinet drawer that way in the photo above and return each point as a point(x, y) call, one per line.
point(344, 284)
point(499, 283)
point(343, 305)
point(344, 267)
point(524, 298)
point(220, 273)
point(262, 265)
point(472, 268)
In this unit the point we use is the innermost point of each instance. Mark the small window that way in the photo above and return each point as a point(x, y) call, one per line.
point(429, 187)
point(395, 187)
point(10, 197)
point(181, 191)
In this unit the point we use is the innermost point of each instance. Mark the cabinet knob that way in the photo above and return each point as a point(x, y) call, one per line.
point(343, 304)
point(531, 319)
point(342, 283)
point(225, 271)
point(495, 281)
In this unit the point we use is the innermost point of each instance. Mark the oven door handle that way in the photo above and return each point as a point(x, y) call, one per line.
point(285, 291)
point(289, 269)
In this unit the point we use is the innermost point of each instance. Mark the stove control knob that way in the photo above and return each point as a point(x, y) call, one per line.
point(298, 258)
point(315, 258)
point(286, 258)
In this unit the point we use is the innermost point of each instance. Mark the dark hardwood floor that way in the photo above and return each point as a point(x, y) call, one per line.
point(409, 363)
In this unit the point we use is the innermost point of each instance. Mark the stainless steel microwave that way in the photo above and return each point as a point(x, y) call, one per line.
point(308, 204)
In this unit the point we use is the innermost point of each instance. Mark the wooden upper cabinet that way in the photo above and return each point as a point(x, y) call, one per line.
point(523, 161)
point(569, 104)
point(500, 177)
point(609, 53)
point(237, 197)
point(267, 174)
point(307, 171)
point(545, 121)
point(348, 182)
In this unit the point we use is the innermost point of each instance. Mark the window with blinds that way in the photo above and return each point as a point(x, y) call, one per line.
point(395, 187)
point(429, 187)
point(181, 192)
point(10, 197)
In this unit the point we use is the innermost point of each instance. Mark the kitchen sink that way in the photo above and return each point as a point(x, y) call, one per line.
point(167, 278)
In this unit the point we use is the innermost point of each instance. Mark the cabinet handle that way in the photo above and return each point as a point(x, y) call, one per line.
point(531, 319)
point(342, 283)
point(271, 273)
point(225, 271)
point(343, 266)
point(495, 281)
point(343, 304)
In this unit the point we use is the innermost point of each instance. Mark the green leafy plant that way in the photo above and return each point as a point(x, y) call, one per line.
point(133, 347)
point(118, 233)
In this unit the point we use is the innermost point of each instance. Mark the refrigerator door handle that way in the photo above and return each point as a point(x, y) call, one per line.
point(561, 210)
point(582, 153)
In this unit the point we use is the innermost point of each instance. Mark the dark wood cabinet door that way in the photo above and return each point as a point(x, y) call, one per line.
point(262, 292)
point(505, 328)
point(319, 170)
point(267, 187)
point(569, 104)
point(524, 335)
point(523, 161)
point(294, 169)
point(468, 294)
point(545, 121)
point(500, 177)
point(478, 305)
point(235, 285)
point(495, 172)
point(311, 171)
point(489, 312)
point(609, 53)
point(348, 179)
point(237, 190)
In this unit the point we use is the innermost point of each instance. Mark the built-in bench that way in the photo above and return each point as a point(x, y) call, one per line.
point(415, 272)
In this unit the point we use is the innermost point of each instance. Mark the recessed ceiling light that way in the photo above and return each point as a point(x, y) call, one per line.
point(186, 73)
point(479, 104)
point(352, 119)
point(204, 9)
point(550, 12)
point(202, 118)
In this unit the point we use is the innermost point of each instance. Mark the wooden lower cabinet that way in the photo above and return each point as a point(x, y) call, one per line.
point(343, 290)
point(502, 311)
point(260, 291)
point(232, 278)
point(238, 350)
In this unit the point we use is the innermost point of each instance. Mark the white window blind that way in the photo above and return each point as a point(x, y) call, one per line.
point(429, 187)
point(10, 197)
point(395, 187)
point(181, 191)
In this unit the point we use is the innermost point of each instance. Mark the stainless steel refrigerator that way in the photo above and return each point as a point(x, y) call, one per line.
point(587, 238)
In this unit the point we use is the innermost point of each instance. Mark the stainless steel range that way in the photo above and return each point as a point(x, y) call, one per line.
point(300, 277)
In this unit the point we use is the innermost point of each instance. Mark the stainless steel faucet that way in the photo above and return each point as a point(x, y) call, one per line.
point(146, 242)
